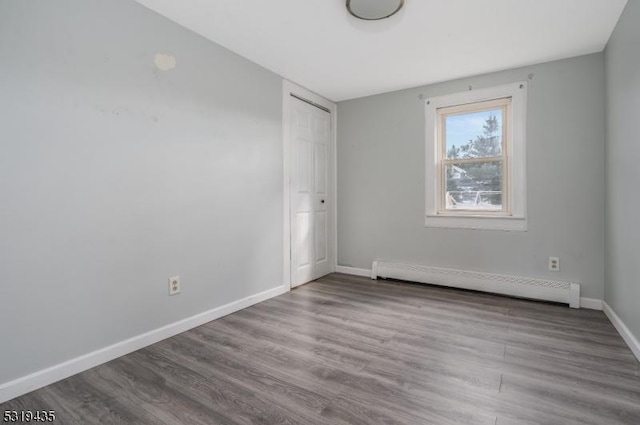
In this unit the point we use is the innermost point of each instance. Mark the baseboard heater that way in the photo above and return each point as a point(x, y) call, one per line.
point(517, 286)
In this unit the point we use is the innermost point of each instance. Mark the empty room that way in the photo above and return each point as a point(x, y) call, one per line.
point(320, 212)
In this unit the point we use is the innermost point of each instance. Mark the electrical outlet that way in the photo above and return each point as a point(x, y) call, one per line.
point(174, 285)
point(554, 264)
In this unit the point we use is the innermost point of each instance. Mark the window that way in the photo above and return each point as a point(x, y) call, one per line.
point(475, 159)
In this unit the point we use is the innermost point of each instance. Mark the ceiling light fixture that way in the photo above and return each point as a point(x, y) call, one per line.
point(374, 10)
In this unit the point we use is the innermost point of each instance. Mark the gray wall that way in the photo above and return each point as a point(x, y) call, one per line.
point(622, 61)
point(381, 180)
point(115, 175)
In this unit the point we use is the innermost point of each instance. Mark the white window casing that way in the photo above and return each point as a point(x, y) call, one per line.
point(513, 217)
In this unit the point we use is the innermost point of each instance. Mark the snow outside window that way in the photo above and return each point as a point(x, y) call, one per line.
point(475, 159)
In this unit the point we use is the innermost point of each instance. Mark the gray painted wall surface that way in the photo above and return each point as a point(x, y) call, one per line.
point(115, 175)
point(622, 261)
point(381, 180)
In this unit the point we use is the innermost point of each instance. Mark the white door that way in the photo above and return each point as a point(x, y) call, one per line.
point(310, 132)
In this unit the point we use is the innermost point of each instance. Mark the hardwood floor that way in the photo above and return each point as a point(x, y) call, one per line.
point(348, 350)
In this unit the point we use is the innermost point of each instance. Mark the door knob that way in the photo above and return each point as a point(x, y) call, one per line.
point(322, 201)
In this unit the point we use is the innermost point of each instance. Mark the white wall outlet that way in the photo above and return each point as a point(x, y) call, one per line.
point(554, 264)
point(174, 285)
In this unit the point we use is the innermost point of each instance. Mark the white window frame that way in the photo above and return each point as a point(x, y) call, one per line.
point(513, 217)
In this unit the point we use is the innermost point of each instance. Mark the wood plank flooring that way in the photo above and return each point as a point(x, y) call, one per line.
point(348, 350)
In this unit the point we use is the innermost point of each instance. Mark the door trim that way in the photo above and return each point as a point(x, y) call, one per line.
point(289, 88)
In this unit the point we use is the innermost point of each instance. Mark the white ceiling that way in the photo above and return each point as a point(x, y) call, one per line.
point(317, 44)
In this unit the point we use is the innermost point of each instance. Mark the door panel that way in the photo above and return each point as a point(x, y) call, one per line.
point(304, 166)
point(303, 222)
point(310, 131)
point(321, 169)
point(322, 141)
point(320, 239)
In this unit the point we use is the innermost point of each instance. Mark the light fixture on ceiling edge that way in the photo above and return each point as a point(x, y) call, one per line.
point(374, 10)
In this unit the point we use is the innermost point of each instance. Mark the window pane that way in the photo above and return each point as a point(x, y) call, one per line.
point(474, 135)
point(475, 186)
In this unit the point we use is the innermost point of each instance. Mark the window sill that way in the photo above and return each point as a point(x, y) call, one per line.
point(517, 224)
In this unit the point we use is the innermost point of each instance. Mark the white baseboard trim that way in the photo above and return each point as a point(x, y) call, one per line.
point(587, 303)
point(518, 286)
point(353, 271)
point(591, 303)
point(622, 329)
point(44, 377)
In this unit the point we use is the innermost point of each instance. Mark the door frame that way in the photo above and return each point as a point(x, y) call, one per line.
point(287, 89)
